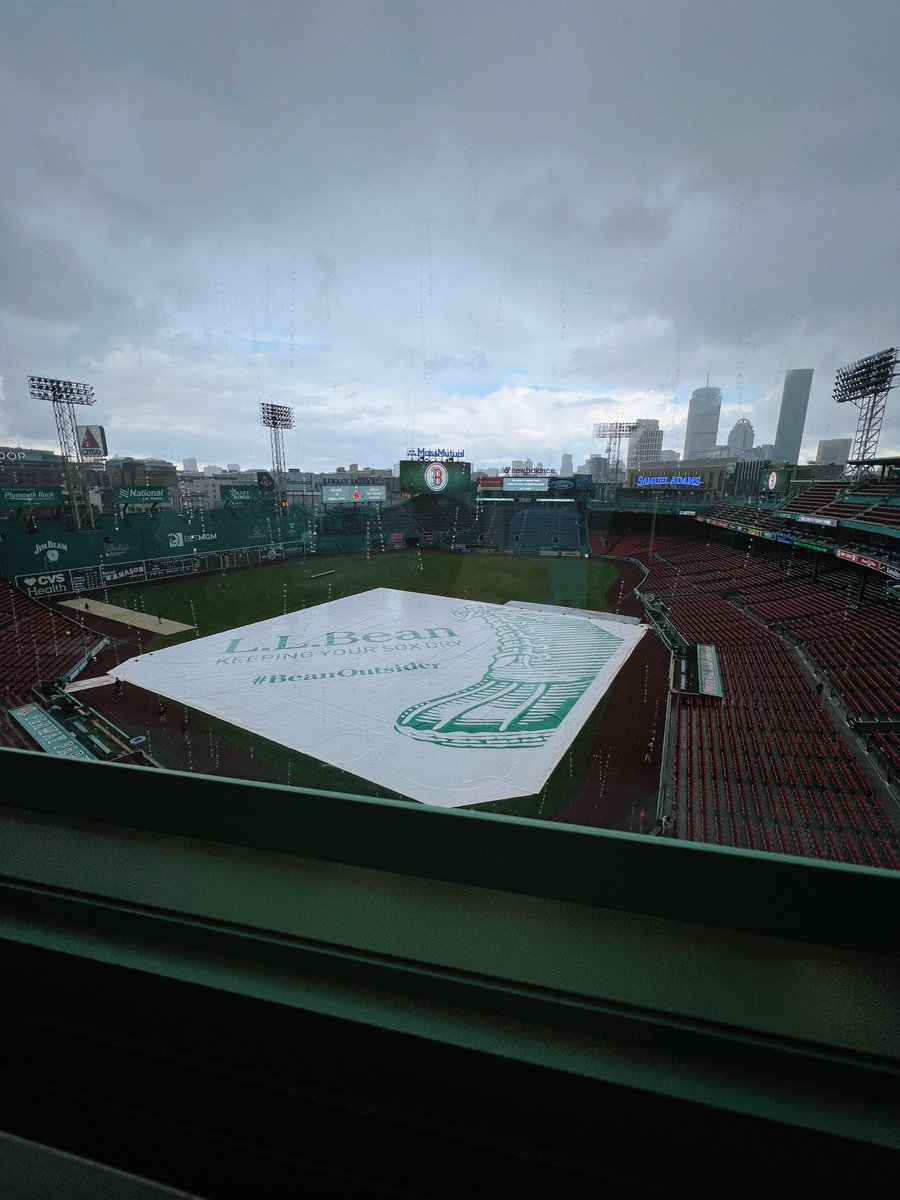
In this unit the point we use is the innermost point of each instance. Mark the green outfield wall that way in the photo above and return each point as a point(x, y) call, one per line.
point(51, 560)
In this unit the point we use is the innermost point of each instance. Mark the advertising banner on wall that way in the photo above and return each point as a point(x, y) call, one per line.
point(449, 702)
point(45, 584)
point(28, 497)
point(434, 478)
point(142, 495)
point(563, 486)
point(806, 519)
point(516, 484)
point(54, 562)
point(873, 564)
point(238, 492)
point(91, 577)
point(669, 481)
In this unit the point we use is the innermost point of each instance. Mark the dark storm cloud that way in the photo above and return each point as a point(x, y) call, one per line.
point(41, 278)
point(414, 217)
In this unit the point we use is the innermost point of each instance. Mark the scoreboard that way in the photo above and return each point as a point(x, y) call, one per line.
point(436, 478)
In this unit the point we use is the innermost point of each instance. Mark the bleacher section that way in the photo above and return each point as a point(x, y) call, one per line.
point(448, 521)
point(387, 520)
point(492, 524)
point(760, 518)
point(463, 526)
point(883, 514)
point(833, 537)
point(843, 501)
point(534, 529)
point(813, 498)
point(880, 490)
point(513, 528)
point(766, 767)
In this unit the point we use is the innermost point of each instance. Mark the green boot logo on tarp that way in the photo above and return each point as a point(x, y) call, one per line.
point(540, 669)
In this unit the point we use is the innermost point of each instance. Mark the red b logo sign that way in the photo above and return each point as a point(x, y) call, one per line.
point(436, 478)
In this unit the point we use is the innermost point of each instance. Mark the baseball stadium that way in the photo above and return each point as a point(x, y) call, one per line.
point(443, 784)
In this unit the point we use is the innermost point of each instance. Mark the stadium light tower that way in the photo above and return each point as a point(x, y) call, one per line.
point(277, 418)
point(866, 384)
point(614, 431)
point(64, 395)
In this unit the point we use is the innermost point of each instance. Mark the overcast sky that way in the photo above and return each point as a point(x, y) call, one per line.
point(473, 225)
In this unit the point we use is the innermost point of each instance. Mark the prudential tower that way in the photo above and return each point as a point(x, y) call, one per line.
point(702, 422)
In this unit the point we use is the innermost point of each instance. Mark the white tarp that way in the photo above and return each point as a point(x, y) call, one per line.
point(449, 702)
point(530, 606)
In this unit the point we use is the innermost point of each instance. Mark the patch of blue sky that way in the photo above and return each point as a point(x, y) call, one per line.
point(463, 389)
point(281, 346)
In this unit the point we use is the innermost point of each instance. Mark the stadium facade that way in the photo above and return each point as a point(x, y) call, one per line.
point(212, 984)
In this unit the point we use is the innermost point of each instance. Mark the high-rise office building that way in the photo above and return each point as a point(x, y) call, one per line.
point(741, 437)
point(834, 450)
point(792, 416)
point(565, 465)
point(190, 464)
point(644, 444)
point(702, 422)
point(596, 466)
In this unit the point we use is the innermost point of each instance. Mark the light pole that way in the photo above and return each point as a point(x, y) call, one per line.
point(63, 394)
point(866, 384)
point(276, 418)
point(614, 431)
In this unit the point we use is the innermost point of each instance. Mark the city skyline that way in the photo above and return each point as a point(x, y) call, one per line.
point(702, 429)
point(406, 258)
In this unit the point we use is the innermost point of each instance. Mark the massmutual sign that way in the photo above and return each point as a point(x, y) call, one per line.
point(446, 701)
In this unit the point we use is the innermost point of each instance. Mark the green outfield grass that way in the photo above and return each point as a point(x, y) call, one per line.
point(218, 602)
